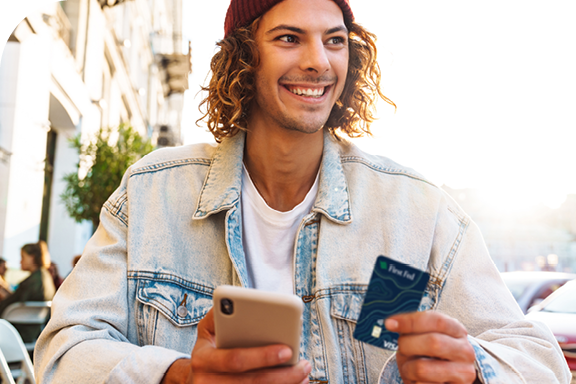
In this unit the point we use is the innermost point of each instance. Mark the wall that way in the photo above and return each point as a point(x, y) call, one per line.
point(72, 67)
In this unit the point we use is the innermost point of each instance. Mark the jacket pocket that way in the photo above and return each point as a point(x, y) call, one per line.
point(169, 310)
point(345, 309)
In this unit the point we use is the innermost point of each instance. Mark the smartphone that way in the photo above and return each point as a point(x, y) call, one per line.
point(245, 317)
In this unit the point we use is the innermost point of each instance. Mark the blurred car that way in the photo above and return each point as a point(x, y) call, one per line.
point(531, 287)
point(558, 311)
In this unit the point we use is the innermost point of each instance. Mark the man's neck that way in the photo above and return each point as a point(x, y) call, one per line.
point(283, 164)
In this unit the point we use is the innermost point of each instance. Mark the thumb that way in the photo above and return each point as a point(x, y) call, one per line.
point(206, 328)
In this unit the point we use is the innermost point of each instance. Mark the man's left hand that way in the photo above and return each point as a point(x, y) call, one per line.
point(432, 348)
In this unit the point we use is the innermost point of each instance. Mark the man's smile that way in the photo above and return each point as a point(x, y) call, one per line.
point(307, 90)
point(310, 93)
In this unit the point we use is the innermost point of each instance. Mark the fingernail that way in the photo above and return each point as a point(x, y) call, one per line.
point(391, 324)
point(306, 366)
point(284, 354)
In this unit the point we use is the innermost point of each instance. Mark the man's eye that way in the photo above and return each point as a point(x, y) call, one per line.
point(336, 40)
point(287, 38)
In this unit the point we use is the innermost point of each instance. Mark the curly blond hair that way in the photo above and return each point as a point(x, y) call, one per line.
point(233, 87)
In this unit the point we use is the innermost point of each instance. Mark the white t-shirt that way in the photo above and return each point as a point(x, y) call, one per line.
point(269, 236)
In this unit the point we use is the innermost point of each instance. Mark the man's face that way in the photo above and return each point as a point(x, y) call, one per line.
point(303, 47)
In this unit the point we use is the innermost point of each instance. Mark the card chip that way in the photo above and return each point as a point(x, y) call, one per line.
point(376, 331)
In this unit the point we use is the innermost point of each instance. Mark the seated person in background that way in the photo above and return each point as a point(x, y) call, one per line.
point(4, 286)
point(75, 260)
point(58, 280)
point(39, 286)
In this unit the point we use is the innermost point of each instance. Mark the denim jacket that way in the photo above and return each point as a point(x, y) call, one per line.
point(172, 232)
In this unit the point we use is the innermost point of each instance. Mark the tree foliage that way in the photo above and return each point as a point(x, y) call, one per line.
point(105, 158)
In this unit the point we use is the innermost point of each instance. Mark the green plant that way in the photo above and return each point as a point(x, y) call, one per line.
point(103, 161)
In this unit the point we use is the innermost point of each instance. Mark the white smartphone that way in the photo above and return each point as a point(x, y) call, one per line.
point(245, 317)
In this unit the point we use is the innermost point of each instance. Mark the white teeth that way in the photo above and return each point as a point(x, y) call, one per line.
point(307, 92)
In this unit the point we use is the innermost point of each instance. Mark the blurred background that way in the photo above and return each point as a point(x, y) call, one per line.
point(485, 96)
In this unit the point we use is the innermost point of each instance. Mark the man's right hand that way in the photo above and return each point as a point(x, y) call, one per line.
point(209, 364)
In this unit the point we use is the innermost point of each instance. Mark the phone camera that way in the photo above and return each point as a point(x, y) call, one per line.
point(227, 306)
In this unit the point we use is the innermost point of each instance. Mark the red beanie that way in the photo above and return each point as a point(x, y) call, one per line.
point(242, 12)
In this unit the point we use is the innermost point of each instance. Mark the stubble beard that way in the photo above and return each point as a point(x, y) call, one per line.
point(293, 123)
point(308, 127)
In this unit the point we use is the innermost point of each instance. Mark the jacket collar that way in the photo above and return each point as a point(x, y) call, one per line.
point(333, 198)
point(222, 186)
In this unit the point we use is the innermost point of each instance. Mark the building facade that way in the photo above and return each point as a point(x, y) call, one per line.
point(70, 68)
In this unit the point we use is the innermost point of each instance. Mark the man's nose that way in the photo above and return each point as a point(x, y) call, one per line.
point(315, 58)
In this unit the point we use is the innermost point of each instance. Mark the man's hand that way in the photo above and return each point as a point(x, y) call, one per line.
point(209, 364)
point(432, 348)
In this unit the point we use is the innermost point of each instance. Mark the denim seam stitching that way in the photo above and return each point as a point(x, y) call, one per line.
point(437, 291)
point(229, 234)
point(392, 171)
point(339, 317)
point(169, 313)
point(120, 212)
point(116, 210)
point(200, 288)
point(462, 218)
point(324, 354)
point(359, 358)
point(139, 319)
point(116, 202)
point(343, 351)
point(447, 266)
point(169, 164)
point(198, 212)
point(353, 288)
point(204, 214)
point(347, 217)
point(152, 335)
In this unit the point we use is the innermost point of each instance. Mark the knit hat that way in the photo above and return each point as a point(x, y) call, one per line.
point(242, 12)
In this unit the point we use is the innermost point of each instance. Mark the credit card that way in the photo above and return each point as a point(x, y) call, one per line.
point(394, 288)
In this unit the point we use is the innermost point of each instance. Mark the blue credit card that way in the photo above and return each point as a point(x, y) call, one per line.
point(394, 288)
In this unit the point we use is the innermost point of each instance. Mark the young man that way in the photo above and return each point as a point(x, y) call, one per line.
point(285, 203)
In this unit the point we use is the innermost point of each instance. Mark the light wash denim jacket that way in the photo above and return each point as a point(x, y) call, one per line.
point(171, 234)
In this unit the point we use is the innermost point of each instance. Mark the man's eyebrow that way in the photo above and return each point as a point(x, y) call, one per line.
point(285, 27)
point(340, 28)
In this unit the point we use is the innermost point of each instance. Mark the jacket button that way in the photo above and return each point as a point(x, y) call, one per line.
point(182, 311)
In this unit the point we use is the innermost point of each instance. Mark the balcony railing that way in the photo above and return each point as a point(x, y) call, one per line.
point(175, 66)
point(4, 155)
point(60, 23)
